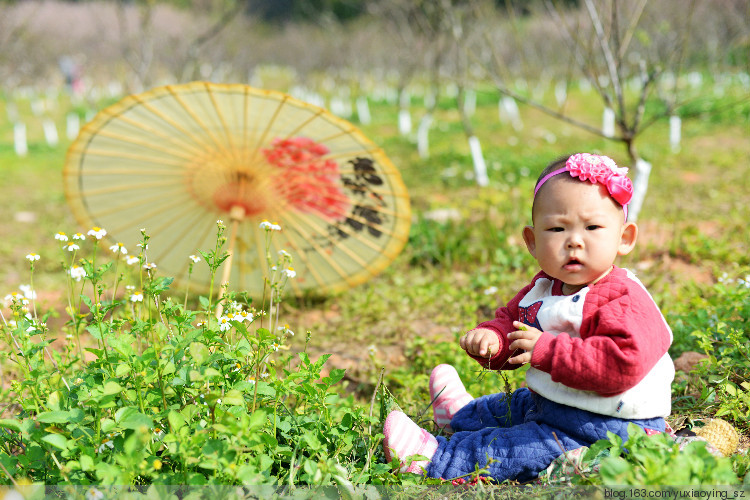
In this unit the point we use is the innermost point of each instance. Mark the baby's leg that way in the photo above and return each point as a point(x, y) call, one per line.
point(519, 452)
point(448, 395)
point(493, 410)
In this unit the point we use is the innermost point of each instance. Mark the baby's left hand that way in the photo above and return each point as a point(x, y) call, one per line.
point(525, 338)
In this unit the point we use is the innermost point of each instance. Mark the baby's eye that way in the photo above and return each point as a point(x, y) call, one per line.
point(556, 229)
point(593, 227)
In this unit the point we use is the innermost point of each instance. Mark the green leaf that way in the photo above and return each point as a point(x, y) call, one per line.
point(168, 369)
point(176, 420)
point(86, 300)
point(234, 398)
point(335, 376)
point(87, 463)
point(257, 420)
point(131, 418)
point(199, 352)
point(53, 417)
point(54, 400)
point(122, 370)
point(57, 440)
point(11, 424)
point(111, 388)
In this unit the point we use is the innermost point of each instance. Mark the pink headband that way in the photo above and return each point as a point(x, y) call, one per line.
point(598, 170)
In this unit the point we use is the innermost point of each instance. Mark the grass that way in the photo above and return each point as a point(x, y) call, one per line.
point(406, 320)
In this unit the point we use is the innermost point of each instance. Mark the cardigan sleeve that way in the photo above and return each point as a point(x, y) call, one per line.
point(502, 325)
point(623, 335)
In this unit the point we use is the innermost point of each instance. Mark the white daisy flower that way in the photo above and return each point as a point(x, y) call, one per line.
point(15, 298)
point(97, 232)
point(136, 297)
point(148, 266)
point(132, 260)
point(285, 329)
point(27, 291)
point(492, 290)
point(224, 324)
point(119, 248)
point(195, 258)
point(106, 444)
point(270, 226)
point(78, 236)
point(93, 493)
point(61, 236)
point(32, 257)
point(284, 253)
point(71, 247)
point(77, 272)
point(290, 272)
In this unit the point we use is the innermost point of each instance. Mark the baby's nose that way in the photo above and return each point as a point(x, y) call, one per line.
point(575, 241)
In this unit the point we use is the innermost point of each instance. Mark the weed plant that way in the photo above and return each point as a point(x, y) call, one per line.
point(166, 395)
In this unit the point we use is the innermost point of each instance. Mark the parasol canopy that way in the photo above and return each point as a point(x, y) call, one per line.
point(177, 158)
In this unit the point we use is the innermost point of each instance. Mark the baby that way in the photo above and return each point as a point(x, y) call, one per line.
point(594, 338)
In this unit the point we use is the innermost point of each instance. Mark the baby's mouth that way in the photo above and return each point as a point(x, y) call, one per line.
point(573, 265)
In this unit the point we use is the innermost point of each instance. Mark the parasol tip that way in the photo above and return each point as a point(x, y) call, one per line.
point(237, 212)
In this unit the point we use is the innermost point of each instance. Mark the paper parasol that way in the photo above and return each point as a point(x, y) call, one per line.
point(177, 158)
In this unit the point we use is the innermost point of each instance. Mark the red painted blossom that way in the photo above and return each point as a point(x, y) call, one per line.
point(306, 179)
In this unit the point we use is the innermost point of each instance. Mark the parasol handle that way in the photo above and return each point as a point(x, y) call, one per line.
point(236, 214)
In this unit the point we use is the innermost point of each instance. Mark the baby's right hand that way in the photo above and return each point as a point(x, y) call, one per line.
point(480, 342)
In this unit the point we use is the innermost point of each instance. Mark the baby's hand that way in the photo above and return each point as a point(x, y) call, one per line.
point(480, 342)
point(525, 339)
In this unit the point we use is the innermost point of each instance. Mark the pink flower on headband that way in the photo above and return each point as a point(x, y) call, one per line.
point(602, 170)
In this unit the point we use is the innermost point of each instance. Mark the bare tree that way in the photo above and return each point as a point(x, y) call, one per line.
point(14, 32)
point(613, 45)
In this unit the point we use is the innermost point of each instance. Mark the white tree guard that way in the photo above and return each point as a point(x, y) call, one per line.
point(404, 122)
point(480, 168)
point(423, 136)
point(640, 186)
point(363, 110)
point(470, 102)
point(19, 139)
point(508, 110)
point(608, 123)
point(675, 133)
point(72, 125)
point(50, 132)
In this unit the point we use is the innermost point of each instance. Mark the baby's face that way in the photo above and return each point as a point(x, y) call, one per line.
point(578, 231)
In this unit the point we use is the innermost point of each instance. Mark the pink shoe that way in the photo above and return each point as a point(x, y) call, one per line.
point(447, 394)
point(404, 438)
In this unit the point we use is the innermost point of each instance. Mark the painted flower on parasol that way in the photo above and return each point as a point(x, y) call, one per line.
point(177, 158)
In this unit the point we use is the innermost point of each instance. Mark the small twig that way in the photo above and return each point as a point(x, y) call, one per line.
point(62, 471)
point(8, 474)
point(372, 400)
point(565, 454)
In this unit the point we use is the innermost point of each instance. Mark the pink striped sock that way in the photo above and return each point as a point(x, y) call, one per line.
point(447, 393)
point(404, 438)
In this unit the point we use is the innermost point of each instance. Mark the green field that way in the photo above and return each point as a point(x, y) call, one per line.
point(693, 255)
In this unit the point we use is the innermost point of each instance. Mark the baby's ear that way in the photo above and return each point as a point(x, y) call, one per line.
point(628, 238)
point(530, 238)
